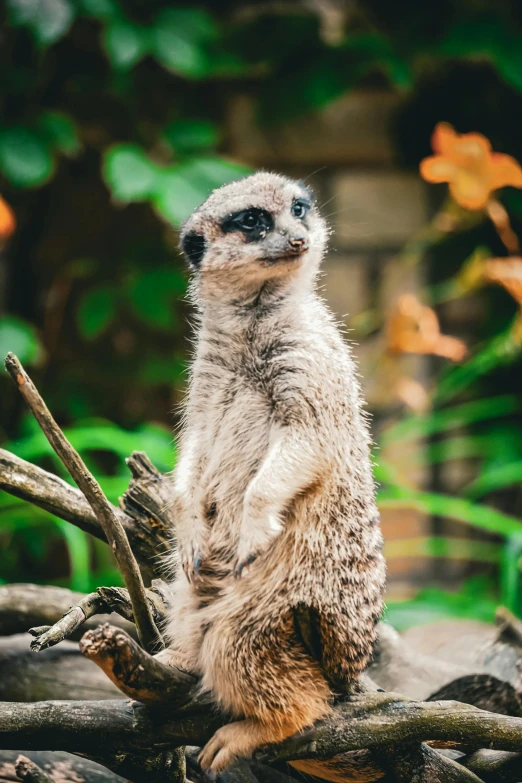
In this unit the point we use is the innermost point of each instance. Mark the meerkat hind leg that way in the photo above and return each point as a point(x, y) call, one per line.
point(176, 659)
point(240, 740)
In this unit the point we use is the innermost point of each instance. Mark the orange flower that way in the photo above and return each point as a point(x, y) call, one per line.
point(414, 328)
point(508, 273)
point(7, 220)
point(467, 163)
point(413, 394)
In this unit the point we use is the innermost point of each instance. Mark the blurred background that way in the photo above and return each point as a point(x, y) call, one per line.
point(119, 116)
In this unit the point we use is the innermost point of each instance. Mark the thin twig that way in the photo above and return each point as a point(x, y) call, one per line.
point(48, 636)
point(103, 600)
point(103, 510)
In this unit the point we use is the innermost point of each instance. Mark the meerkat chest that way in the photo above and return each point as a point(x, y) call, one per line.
point(235, 422)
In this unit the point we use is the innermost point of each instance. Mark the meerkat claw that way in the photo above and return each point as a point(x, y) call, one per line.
point(241, 568)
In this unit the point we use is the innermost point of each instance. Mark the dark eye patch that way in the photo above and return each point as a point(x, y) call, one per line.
point(253, 223)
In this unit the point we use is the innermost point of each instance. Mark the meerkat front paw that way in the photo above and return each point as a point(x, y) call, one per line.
point(191, 551)
point(254, 540)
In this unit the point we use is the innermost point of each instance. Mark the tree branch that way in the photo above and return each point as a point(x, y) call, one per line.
point(101, 507)
point(389, 719)
point(26, 605)
point(97, 728)
point(29, 771)
point(148, 533)
point(104, 599)
point(136, 673)
point(59, 673)
point(495, 766)
point(62, 767)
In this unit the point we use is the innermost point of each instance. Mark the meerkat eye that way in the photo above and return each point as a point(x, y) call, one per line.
point(249, 220)
point(299, 209)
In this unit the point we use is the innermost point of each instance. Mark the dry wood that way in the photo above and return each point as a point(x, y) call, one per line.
point(59, 673)
point(422, 764)
point(389, 719)
point(26, 605)
point(377, 721)
point(101, 507)
point(495, 766)
point(29, 771)
point(62, 767)
point(104, 599)
point(137, 674)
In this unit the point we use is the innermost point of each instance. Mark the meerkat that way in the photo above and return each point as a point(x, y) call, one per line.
point(274, 500)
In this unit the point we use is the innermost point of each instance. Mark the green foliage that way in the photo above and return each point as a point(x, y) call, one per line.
point(24, 158)
point(47, 21)
point(176, 190)
point(60, 132)
point(19, 337)
point(476, 600)
point(130, 175)
point(96, 311)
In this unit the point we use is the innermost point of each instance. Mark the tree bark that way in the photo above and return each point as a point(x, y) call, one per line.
point(26, 605)
point(60, 673)
point(62, 767)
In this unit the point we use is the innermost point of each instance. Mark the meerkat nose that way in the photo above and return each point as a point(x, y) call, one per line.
point(298, 244)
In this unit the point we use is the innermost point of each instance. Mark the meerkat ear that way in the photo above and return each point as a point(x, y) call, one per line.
point(194, 246)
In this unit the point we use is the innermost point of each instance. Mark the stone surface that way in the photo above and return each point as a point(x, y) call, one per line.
point(352, 129)
point(377, 209)
point(345, 285)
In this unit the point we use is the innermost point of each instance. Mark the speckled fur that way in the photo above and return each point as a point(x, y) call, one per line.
point(274, 465)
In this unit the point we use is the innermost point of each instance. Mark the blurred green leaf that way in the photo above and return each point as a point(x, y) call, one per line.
point(503, 349)
point(192, 135)
point(183, 188)
point(24, 158)
point(78, 548)
point(96, 311)
point(19, 337)
point(495, 478)
point(125, 43)
point(180, 39)
point(487, 36)
point(100, 9)
point(476, 600)
point(510, 573)
point(153, 295)
point(451, 418)
point(101, 435)
point(48, 20)
point(130, 175)
point(480, 516)
point(158, 369)
point(60, 132)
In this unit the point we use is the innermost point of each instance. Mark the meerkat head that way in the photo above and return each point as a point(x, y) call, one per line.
point(263, 227)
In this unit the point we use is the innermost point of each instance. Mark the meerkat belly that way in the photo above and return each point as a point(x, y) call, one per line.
point(238, 433)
